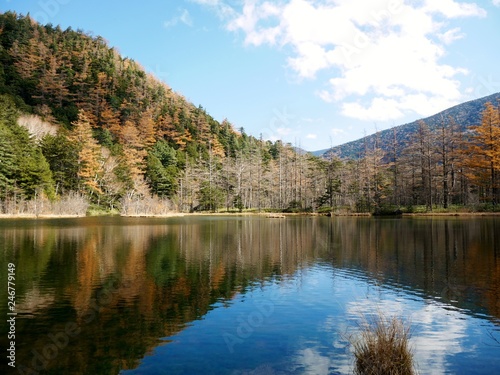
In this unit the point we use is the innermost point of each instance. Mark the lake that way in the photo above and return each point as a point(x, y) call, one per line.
point(247, 294)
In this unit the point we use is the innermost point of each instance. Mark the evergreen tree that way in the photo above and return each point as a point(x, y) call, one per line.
point(8, 165)
point(162, 172)
point(62, 156)
point(211, 197)
point(22, 165)
point(34, 173)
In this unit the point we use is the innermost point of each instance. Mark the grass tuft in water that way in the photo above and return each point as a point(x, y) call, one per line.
point(382, 347)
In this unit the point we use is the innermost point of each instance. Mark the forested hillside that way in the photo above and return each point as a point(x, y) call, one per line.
point(105, 130)
point(83, 130)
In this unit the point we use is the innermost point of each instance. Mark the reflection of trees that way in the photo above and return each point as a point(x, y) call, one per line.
point(457, 259)
point(148, 280)
point(126, 286)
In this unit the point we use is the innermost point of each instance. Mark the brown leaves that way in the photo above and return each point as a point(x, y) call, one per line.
point(89, 153)
point(483, 151)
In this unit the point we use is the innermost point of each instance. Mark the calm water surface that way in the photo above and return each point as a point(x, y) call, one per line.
point(247, 295)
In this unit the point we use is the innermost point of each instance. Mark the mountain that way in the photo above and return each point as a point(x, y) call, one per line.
point(465, 115)
point(55, 73)
point(63, 90)
point(79, 121)
point(319, 152)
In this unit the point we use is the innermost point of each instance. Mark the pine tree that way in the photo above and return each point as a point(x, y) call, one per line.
point(161, 170)
point(62, 157)
point(211, 197)
point(34, 173)
point(8, 166)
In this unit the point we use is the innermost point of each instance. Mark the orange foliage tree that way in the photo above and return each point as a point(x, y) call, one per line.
point(89, 153)
point(133, 150)
point(482, 154)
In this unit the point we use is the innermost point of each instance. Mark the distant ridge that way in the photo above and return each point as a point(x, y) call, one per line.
point(465, 115)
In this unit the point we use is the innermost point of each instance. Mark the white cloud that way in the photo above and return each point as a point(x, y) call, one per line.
point(496, 3)
point(311, 136)
point(283, 131)
point(278, 133)
point(312, 362)
point(449, 36)
point(249, 19)
point(453, 9)
point(223, 10)
point(440, 329)
point(380, 109)
point(431, 350)
point(183, 17)
point(381, 55)
point(337, 131)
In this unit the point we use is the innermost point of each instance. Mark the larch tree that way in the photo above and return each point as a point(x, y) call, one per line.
point(394, 167)
point(89, 153)
point(147, 128)
point(52, 83)
point(133, 151)
point(483, 153)
point(446, 146)
point(110, 120)
point(427, 155)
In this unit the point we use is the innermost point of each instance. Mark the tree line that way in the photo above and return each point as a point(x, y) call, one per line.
point(79, 123)
point(450, 165)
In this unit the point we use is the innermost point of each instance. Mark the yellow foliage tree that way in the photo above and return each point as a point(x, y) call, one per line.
point(482, 153)
point(110, 120)
point(133, 150)
point(89, 153)
point(147, 128)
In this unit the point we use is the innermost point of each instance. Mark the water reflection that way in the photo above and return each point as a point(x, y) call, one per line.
point(456, 260)
point(170, 291)
point(438, 332)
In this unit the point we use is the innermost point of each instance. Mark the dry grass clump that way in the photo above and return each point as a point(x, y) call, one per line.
point(382, 347)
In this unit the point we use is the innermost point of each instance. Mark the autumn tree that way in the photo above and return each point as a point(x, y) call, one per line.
point(394, 166)
point(147, 129)
point(89, 165)
point(52, 82)
point(110, 120)
point(133, 150)
point(482, 154)
point(419, 158)
point(446, 151)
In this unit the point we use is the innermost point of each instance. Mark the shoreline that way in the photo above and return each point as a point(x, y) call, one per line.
point(452, 214)
point(40, 216)
point(270, 215)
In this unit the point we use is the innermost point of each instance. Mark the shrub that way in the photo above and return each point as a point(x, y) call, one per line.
point(382, 348)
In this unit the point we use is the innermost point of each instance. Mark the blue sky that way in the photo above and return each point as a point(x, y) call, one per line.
point(314, 73)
